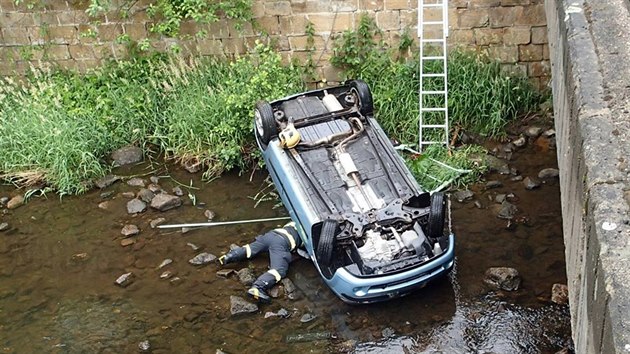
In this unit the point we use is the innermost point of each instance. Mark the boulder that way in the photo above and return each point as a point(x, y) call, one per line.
point(246, 276)
point(493, 184)
point(4, 226)
point(463, 195)
point(127, 242)
point(135, 206)
point(106, 181)
point(238, 306)
point(202, 259)
point(533, 131)
point(130, 230)
point(15, 202)
point(163, 202)
point(520, 142)
point(178, 191)
point(209, 214)
point(136, 182)
point(531, 183)
point(548, 173)
point(146, 195)
point(507, 211)
point(502, 278)
point(124, 280)
point(560, 294)
point(156, 222)
point(127, 155)
point(4, 201)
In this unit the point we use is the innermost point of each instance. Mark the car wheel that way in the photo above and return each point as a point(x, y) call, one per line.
point(436, 215)
point(326, 242)
point(264, 122)
point(362, 90)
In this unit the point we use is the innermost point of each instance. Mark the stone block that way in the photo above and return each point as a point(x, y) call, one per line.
point(539, 35)
point(15, 36)
point(533, 15)
point(388, 20)
point(135, 31)
point(109, 33)
point(396, 5)
point(293, 25)
point(515, 2)
point(473, 18)
point(503, 54)
point(16, 19)
point(269, 24)
point(57, 5)
point(545, 52)
point(301, 43)
point(331, 73)
point(234, 46)
point(487, 36)
point(280, 43)
point(278, 8)
point(538, 69)
point(514, 69)
point(344, 5)
point(258, 9)
point(484, 3)
point(371, 5)
point(209, 47)
point(328, 23)
point(66, 18)
point(57, 52)
point(432, 14)
point(7, 5)
point(505, 16)
point(120, 51)
point(102, 51)
point(530, 52)
point(219, 29)
point(311, 7)
point(459, 4)
point(45, 18)
point(81, 51)
point(87, 64)
point(516, 35)
point(461, 36)
point(409, 19)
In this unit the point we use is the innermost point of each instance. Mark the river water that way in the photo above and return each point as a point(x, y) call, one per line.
point(60, 258)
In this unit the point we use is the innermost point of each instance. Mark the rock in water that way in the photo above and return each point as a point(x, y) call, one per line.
point(531, 183)
point(156, 222)
point(4, 226)
point(533, 132)
point(106, 181)
point(136, 182)
point(124, 280)
point(560, 294)
point(307, 317)
point(520, 142)
point(3, 201)
point(144, 346)
point(246, 276)
point(129, 230)
point(165, 263)
point(238, 305)
point(508, 210)
point(15, 202)
point(493, 184)
point(209, 214)
point(135, 206)
point(549, 173)
point(163, 202)
point(178, 191)
point(127, 242)
point(503, 278)
point(202, 258)
point(127, 155)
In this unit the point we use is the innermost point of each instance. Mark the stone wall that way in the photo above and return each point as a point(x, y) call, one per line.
point(511, 31)
point(590, 56)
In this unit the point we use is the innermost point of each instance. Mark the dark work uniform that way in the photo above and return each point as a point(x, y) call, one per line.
point(279, 243)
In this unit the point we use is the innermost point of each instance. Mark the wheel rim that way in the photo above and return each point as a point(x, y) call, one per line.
point(259, 124)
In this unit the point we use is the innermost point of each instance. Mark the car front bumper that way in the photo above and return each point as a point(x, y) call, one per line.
point(356, 290)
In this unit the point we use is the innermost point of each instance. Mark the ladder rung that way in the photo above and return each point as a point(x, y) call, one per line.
point(432, 142)
point(433, 92)
point(432, 5)
point(433, 22)
point(441, 109)
point(441, 57)
point(432, 40)
point(433, 75)
point(434, 126)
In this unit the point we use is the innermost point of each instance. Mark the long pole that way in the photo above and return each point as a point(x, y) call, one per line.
point(221, 223)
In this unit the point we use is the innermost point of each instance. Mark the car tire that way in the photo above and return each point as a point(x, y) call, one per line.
point(366, 105)
point(264, 122)
point(437, 210)
point(326, 243)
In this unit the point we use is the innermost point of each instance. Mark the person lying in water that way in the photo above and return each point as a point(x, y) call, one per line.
point(280, 243)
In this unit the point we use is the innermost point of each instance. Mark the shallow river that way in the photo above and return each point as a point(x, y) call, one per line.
point(60, 258)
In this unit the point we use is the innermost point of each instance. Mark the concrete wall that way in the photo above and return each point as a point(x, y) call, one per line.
point(590, 56)
point(511, 31)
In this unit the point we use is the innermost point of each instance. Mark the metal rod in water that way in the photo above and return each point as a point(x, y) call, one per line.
point(220, 223)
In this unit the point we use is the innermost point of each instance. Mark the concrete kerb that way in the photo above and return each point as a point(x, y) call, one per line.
point(593, 158)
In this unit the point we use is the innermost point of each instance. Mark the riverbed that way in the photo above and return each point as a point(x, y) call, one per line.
point(60, 258)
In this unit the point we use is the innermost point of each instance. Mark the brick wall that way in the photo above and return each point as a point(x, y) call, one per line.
point(59, 31)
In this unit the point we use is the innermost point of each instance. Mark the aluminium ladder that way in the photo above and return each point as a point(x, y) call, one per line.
point(433, 93)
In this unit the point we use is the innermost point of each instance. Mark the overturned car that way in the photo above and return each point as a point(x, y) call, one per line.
point(370, 229)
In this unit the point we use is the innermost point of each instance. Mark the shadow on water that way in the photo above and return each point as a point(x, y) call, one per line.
point(59, 260)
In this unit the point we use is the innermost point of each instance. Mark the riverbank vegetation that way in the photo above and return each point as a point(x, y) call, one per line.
point(58, 127)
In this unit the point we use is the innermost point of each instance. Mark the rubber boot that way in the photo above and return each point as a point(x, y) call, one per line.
point(259, 289)
point(235, 255)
